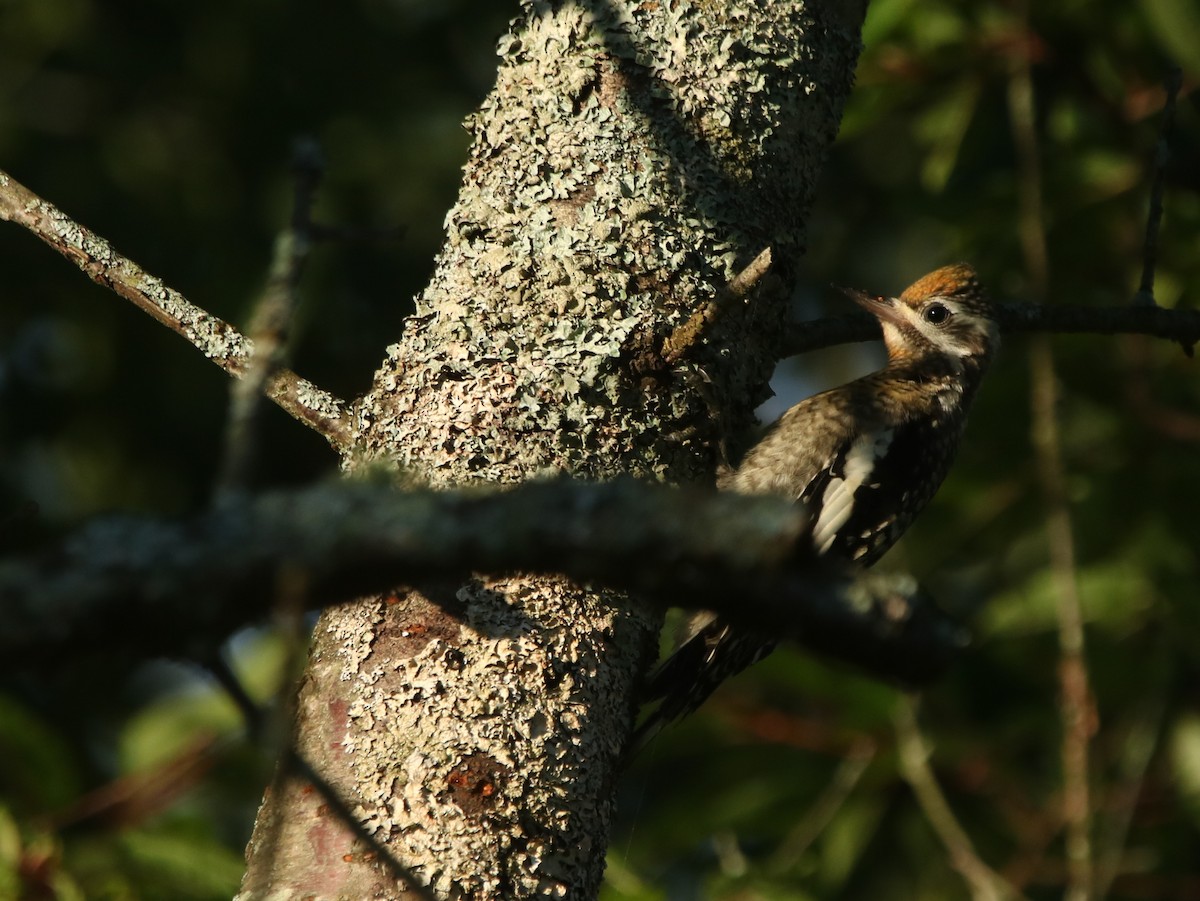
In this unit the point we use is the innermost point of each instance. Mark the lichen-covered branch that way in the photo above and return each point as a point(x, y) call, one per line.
point(138, 588)
point(212, 336)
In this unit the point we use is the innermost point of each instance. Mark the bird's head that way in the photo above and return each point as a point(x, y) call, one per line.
point(945, 314)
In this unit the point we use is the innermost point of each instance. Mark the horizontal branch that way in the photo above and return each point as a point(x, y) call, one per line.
point(215, 338)
point(143, 588)
point(1182, 326)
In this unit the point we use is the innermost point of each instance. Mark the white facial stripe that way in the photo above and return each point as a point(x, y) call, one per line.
point(948, 339)
point(837, 503)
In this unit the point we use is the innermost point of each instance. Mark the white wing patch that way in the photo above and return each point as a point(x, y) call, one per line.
point(837, 502)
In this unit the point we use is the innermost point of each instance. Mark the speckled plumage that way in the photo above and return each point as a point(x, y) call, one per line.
point(866, 457)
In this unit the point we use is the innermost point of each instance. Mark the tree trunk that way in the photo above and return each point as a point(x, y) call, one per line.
point(632, 156)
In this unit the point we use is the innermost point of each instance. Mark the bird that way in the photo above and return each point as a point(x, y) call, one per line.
point(864, 458)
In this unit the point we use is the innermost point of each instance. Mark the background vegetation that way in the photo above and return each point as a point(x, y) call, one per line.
point(166, 128)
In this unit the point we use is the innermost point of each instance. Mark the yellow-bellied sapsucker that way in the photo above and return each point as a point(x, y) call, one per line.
point(865, 458)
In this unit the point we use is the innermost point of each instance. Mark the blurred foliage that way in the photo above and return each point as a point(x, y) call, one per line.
point(166, 128)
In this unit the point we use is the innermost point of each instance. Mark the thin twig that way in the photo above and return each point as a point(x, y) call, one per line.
point(1076, 710)
point(1138, 749)
point(1182, 326)
point(821, 813)
point(986, 884)
point(270, 323)
point(1162, 153)
point(215, 338)
point(136, 797)
point(687, 335)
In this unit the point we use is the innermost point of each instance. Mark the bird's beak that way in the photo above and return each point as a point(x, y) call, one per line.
point(883, 308)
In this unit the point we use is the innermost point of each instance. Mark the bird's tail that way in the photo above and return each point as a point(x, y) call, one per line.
point(714, 652)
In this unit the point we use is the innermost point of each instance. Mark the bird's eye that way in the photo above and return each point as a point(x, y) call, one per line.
point(937, 313)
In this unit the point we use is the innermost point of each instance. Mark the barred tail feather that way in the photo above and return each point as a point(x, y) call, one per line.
point(683, 681)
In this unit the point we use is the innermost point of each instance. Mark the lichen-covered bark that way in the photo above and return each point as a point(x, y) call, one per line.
point(631, 157)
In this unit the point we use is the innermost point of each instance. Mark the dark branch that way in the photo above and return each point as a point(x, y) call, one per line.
point(1174, 325)
point(1162, 153)
point(271, 322)
point(151, 589)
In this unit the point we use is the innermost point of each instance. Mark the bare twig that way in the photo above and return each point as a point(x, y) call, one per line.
point(1136, 752)
point(689, 333)
point(1075, 696)
point(136, 797)
point(1174, 325)
point(270, 323)
point(1162, 153)
point(215, 338)
point(1182, 326)
point(844, 780)
point(986, 884)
